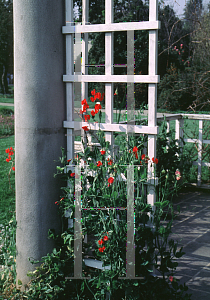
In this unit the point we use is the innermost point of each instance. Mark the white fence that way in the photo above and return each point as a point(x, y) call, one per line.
point(181, 134)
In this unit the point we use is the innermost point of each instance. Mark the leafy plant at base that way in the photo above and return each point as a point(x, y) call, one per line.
point(154, 250)
point(104, 185)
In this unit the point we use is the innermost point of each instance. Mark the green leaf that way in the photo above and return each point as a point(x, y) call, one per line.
point(19, 282)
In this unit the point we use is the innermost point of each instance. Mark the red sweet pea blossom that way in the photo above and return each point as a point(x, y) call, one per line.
point(72, 174)
point(8, 159)
point(135, 150)
point(178, 175)
point(92, 99)
point(106, 238)
point(99, 163)
point(85, 128)
point(155, 160)
point(93, 113)
point(97, 107)
point(100, 242)
point(93, 92)
point(84, 102)
point(103, 152)
point(87, 117)
point(102, 249)
point(57, 202)
point(143, 156)
point(110, 180)
point(13, 168)
point(171, 278)
point(110, 162)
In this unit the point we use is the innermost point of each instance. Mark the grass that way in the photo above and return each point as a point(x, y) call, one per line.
point(6, 99)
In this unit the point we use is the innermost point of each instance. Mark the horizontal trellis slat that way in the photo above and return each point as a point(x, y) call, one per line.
point(204, 164)
point(124, 26)
point(111, 127)
point(112, 78)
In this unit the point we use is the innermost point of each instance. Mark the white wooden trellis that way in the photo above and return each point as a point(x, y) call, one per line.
point(80, 78)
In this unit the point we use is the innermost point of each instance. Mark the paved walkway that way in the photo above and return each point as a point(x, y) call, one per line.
point(192, 230)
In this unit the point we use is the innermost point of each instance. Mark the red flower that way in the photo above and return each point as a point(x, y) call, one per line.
point(13, 168)
point(85, 128)
point(92, 99)
point(97, 107)
point(101, 97)
point(102, 249)
point(93, 113)
point(98, 95)
point(84, 102)
point(68, 160)
point(103, 152)
point(61, 199)
point(7, 150)
point(72, 174)
point(87, 117)
point(100, 242)
point(57, 202)
point(8, 159)
point(93, 92)
point(135, 149)
point(171, 278)
point(110, 162)
point(143, 156)
point(85, 106)
point(155, 160)
point(99, 163)
point(110, 180)
point(106, 238)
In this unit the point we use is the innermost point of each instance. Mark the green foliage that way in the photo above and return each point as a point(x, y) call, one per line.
point(172, 157)
point(6, 124)
point(7, 197)
point(154, 250)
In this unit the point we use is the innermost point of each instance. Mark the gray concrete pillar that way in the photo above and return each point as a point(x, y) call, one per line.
point(39, 64)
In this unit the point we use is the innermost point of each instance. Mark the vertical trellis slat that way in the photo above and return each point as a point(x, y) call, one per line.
point(109, 54)
point(69, 85)
point(152, 97)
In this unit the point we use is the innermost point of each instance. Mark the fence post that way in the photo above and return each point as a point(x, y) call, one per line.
point(200, 141)
point(39, 134)
point(179, 131)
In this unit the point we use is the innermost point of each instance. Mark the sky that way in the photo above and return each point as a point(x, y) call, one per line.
point(179, 5)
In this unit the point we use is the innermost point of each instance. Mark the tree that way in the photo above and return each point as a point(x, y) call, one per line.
point(6, 41)
point(127, 11)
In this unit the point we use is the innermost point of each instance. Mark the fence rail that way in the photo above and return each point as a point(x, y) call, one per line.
point(198, 142)
point(180, 133)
